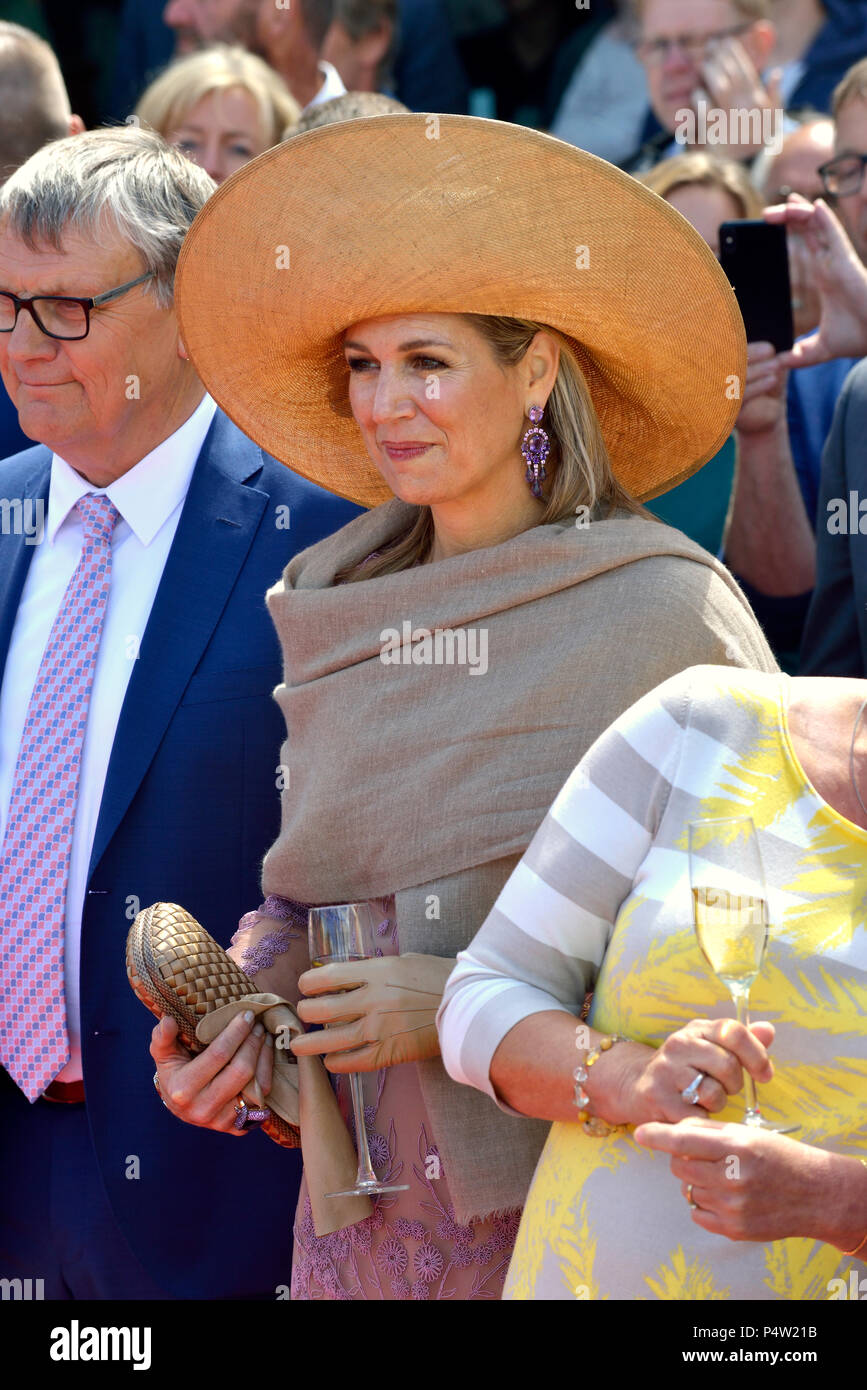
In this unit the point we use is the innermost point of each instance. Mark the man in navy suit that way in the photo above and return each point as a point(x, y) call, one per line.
point(102, 1192)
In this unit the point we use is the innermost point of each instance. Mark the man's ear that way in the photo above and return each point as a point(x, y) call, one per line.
point(182, 351)
point(76, 125)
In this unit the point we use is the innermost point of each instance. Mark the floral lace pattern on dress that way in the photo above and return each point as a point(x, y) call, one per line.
point(417, 1257)
point(263, 953)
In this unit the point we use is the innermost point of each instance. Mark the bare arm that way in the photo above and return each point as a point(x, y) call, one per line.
point(770, 542)
point(531, 1070)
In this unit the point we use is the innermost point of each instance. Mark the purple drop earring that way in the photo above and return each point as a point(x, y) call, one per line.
point(535, 447)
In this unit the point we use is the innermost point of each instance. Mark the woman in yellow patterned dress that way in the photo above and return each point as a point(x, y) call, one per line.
point(674, 1204)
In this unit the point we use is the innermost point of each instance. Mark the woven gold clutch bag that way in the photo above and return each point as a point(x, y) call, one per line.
point(175, 967)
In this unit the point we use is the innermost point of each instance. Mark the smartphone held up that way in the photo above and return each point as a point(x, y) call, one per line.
point(755, 259)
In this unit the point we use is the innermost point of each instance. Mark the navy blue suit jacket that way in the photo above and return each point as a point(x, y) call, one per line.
point(190, 806)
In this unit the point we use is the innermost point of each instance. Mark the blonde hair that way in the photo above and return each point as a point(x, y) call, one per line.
point(683, 170)
point(171, 97)
point(579, 468)
point(853, 85)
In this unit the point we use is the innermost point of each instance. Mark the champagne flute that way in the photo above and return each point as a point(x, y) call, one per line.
point(344, 932)
point(730, 913)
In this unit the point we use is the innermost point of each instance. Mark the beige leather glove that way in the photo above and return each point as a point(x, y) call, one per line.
point(302, 1095)
point(385, 1017)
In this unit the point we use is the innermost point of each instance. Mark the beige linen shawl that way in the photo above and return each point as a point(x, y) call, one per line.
point(428, 780)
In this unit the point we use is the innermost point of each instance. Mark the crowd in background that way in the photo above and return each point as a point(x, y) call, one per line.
point(226, 79)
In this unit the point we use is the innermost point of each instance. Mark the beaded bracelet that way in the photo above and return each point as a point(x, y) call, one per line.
point(592, 1124)
point(863, 1242)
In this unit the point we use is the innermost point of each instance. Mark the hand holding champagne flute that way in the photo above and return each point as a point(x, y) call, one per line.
point(342, 933)
point(730, 913)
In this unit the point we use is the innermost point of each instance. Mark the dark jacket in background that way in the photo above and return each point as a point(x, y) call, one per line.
point(835, 635)
point(842, 42)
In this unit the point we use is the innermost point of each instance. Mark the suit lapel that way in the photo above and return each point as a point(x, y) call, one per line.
point(17, 554)
point(215, 531)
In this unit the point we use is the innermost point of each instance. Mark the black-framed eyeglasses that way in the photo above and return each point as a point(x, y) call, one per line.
point(654, 52)
point(61, 316)
point(843, 175)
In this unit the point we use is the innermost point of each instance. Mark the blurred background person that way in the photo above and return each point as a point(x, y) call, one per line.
point(835, 635)
point(518, 54)
point(747, 500)
point(403, 48)
point(692, 50)
point(815, 388)
point(221, 107)
point(429, 73)
point(604, 106)
point(197, 23)
point(34, 108)
point(742, 54)
point(149, 35)
point(706, 192)
point(796, 170)
point(361, 43)
point(34, 103)
point(817, 42)
point(291, 41)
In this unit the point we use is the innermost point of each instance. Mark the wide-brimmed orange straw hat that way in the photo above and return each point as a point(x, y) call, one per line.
point(455, 214)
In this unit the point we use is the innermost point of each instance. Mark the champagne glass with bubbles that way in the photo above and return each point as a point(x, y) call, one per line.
point(346, 932)
point(730, 913)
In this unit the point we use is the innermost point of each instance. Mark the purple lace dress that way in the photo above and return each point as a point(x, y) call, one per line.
point(411, 1247)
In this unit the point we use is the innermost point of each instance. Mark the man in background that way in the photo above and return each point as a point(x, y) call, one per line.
point(361, 43)
point(34, 108)
point(291, 41)
point(197, 23)
point(762, 56)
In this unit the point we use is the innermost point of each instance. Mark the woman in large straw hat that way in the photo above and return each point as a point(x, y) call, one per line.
point(393, 306)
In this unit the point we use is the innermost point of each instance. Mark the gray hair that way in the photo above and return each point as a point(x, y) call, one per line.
point(120, 179)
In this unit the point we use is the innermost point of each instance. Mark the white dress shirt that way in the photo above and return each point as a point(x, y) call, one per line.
point(149, 498)
point(331, 87)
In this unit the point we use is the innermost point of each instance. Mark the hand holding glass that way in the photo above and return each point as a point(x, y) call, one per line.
point(345, 932)
point(730, 913)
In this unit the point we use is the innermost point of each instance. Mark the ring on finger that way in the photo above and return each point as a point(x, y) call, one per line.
point(690, 1092)
point(247, 1118)
point(693, 1205)
point(157, 1087)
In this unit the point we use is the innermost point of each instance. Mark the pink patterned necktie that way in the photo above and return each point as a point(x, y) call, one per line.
point(34, 861)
